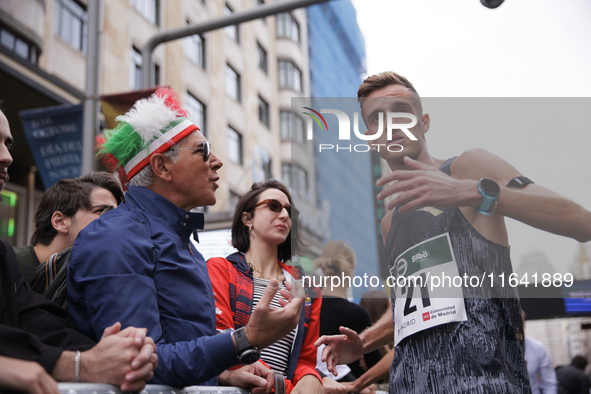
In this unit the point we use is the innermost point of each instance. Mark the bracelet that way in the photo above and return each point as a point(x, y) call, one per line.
point(77, 361)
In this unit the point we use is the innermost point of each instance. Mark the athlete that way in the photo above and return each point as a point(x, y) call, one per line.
point(448, 216)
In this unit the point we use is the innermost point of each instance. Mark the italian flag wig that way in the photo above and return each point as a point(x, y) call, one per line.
point(153, 125)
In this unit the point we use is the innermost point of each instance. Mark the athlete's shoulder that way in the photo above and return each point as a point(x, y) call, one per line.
point(480, 163)
point(471, 158)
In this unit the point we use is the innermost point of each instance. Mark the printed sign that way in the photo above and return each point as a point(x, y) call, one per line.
point(418, 307)
point(54, 135)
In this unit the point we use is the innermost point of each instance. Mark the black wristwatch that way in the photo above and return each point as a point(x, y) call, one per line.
point(489, 190)
point(247, 354)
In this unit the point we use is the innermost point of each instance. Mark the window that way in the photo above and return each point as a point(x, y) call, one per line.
point(148, 9)
point(295, 178)
point(156, 74)
point(263, 111)
point(18, 45)
point(286, 175)
point(70, 23)
point(234, 200)
point(261, 165)
point(292, 127)
point(234, 145)
point(231, 31)
point(289, 76)
point(195, 49)
point(232, 83)
point(287, 27)
point(135, 71)
point(261, 58)
point(195, 111)
point(267, 169)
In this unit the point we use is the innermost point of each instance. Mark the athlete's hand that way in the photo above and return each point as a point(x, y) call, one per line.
point(340, 349)
point(426, 186)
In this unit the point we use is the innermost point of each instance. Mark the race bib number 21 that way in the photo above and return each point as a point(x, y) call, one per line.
point(419, 305)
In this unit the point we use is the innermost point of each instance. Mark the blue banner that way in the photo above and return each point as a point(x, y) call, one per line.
point(54, 135)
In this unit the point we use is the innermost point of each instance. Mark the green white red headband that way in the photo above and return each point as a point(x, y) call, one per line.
point(152, 126)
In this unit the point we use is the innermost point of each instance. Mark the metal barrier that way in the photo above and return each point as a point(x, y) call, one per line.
point(93, 388)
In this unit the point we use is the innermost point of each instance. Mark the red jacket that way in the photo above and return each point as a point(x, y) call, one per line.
point(231, 280)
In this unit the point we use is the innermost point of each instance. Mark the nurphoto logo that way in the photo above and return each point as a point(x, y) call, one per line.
point(345, 129)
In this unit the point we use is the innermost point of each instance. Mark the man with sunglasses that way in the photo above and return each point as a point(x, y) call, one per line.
point(66, 208)
point(138, 265)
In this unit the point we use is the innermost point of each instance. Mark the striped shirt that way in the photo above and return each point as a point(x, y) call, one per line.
point(276, 355)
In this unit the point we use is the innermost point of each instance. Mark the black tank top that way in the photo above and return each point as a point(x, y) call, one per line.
point(485, 353)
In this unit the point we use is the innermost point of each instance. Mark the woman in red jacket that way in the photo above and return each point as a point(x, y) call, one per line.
point(265, 230)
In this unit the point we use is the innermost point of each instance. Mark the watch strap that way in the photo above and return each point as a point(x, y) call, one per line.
point(488, 203)
point(247, 354)
point(241, 340)
point(519, 182)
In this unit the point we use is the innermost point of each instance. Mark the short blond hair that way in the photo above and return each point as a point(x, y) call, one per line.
point(380, 80)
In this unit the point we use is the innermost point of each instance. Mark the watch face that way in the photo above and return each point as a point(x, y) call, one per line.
point(250, 356)
point(489, 186)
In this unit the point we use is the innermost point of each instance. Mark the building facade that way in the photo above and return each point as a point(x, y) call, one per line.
point(343, 181)
point(236, 84)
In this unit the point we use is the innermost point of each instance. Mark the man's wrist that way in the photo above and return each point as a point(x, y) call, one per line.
point(247, 352)
point(474, 198)
point(489, 189)
point(234, 342)
point(77, 362)
point(248, 334)
point(365, 342)
point(64, 369)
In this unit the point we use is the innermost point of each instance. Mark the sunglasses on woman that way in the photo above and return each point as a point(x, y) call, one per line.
point(204, 147)
point(276, 206)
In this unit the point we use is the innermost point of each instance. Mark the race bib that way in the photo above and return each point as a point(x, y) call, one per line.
point(422, 300)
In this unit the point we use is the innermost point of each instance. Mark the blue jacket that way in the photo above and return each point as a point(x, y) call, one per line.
point(137, 265)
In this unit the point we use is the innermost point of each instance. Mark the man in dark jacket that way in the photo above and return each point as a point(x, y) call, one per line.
point(572, 378)
point(39, 345)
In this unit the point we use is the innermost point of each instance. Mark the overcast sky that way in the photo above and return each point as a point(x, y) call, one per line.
point(525, 48)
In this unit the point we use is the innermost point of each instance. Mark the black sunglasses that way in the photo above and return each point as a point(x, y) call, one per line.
point(204, 147)
point(276, 206)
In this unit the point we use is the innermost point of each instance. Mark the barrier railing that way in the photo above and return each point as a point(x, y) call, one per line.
point(93, 388)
